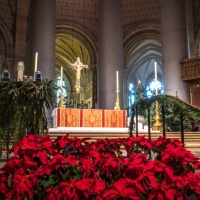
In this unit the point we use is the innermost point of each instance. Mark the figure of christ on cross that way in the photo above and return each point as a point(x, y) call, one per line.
point(78, 65)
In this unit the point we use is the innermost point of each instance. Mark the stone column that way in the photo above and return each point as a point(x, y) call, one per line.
point(174, 46)
point(21, 33)
point(42, 37)
point(110, 53)
point(42, 40)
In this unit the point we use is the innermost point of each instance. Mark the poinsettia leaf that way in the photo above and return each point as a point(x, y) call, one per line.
point(69, 149)
point(49, 181)
point(77, 173)
point(10, 180)
point(64, 175)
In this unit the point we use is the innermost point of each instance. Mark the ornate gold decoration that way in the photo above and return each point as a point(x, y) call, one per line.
point(117, 103)
point(157, 126)
point(78, 65)
point(190, 73)
point(190, 68)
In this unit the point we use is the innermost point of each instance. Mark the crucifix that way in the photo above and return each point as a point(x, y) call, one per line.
point(78, 65)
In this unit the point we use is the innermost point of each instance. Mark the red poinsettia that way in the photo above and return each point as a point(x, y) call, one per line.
point(23, 186)
point(74, 169)
point(59, 160)
point(125, 189)
point(165, 191)
point(53, 193)
point(89, 186)
point(179, 155)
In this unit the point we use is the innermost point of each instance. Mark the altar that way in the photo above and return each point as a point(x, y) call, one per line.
point(65, 117)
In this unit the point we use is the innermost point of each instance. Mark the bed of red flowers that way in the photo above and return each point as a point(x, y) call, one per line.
point(70, 168)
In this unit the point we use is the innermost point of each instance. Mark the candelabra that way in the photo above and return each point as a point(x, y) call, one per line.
point(117, 103)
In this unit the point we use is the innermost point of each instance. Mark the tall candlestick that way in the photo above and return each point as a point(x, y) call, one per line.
point(61, 74)
point(36, 61)
point(155, 67)
point(117, 79)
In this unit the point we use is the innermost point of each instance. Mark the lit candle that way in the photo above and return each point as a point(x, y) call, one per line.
point(117, 79)
point(36, 61)
point(61, 79)
point(155, 67)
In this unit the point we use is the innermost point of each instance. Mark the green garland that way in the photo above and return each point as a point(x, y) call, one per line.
point(173, 108)
point(22, 108)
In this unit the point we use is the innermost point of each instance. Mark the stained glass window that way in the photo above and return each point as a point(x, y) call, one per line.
point(64, 86)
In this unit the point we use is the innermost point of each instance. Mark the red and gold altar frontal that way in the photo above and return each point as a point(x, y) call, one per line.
point(89, 118)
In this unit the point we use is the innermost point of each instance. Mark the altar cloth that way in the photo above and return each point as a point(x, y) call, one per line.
point(65, 117)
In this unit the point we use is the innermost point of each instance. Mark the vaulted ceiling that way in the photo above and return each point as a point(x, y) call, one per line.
point(77, 31)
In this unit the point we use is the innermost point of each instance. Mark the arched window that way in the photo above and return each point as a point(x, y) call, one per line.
point(150, 89)
point(64, 86)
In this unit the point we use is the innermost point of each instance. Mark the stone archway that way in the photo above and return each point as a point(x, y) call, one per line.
point(72, 42)
point(6, 48)
point(142, 46)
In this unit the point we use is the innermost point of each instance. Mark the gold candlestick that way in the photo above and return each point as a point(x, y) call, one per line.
point(157, 126)
point(117, 103)
point(61, 101)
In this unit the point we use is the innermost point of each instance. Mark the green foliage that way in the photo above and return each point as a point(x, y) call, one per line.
point(23, 107)
point(140, 92)
point(173, 108)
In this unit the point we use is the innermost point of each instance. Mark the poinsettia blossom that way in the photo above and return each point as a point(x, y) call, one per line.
point(180, 182)
point(74, 169)
point(165, 191)
point(139, 158)
point(23, 186)
point(163, 143)
point(67, 190)
point(9, 167)
point(124, 188)
point(87, 167)
point(62, 141)
point(89, 186)
point(53, 193)
point(43, 171)
point(180, 155)
point(110, 166)
point(59, 160)
point(193, 181)
point(159, 167)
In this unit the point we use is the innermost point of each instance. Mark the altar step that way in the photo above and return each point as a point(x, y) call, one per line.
point(192, 139)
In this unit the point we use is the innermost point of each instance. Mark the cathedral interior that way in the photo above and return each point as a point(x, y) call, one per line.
point(128, 36)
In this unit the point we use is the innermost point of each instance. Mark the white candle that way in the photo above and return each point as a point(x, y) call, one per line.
point(36, 61)
point(117, 79)
point(20, 71)
point(61, 79)
point(155, 67)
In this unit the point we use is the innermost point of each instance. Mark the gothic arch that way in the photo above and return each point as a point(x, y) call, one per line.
point(6, 48)
point(8, 39)
point(74, 40)
point(142, 46)
point(136, 33)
